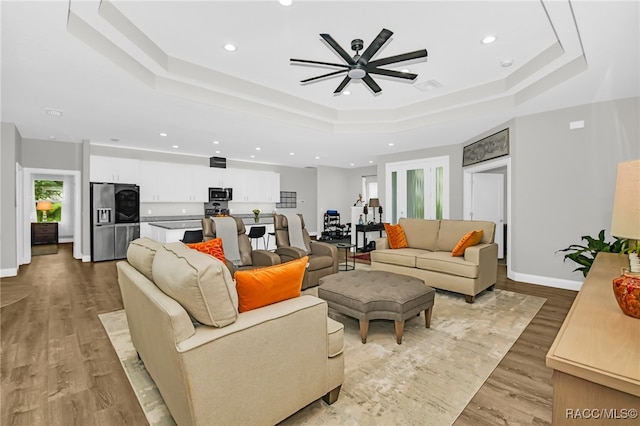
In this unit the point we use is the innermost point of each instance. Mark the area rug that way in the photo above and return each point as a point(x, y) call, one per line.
point(429, 379)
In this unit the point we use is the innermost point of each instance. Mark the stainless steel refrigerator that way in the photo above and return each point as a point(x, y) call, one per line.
point(115, 219)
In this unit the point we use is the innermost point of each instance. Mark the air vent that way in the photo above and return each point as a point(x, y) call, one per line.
point(427, 85)
point(54, 112)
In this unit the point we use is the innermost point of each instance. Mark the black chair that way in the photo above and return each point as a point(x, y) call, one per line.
point(192, 236)
point(258, 232)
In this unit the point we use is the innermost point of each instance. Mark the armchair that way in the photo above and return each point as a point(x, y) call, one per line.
point(323, 257)
point(251, 259)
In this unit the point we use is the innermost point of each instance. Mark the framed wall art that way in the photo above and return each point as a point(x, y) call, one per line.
point(494, 146)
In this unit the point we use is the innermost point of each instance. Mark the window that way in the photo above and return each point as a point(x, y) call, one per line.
point(48, 195)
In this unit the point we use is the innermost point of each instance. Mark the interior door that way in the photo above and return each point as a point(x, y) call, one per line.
point(487, 203)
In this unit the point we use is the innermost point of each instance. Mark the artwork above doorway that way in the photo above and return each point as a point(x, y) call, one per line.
point(493, 146)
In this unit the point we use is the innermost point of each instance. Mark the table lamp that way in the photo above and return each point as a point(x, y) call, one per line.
point(374, 203)
point(43, 206)
point(625, 223)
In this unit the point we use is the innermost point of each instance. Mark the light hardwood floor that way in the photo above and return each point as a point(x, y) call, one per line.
point(58, 367)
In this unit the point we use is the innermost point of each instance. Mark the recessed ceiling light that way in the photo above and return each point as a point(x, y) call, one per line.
point(175, 146)
point(317, 157)
point(390, 143)
point(352, 164)
point(252, 156)
point(506, 63)
point(489, 39)
point(52, 137)
point(230, 47)
point(216, 142)
point(163, 134)
point(346, 93)
point(258, 148)
point(370, 161)
point(217, 151)
point(291, 153)
point(285, 2)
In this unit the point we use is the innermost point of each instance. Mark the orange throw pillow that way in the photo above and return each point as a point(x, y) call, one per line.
point(470, 239)
point(395, 235)
point(212, 248)
point(264, 286)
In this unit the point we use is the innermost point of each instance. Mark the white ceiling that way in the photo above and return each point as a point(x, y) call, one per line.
point(129, 70)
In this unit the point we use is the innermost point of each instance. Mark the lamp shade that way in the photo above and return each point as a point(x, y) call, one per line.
point(625, 221)
point(43, 205)
point(374, 202)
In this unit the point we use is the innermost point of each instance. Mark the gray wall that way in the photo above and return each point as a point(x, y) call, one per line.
point(45, 154)
point(564, 180)
point(9, 155)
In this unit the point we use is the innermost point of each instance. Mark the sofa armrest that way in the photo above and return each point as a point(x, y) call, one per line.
point(289, 253)
point(319, 248)
point(264, 258)
point(486, 257)
point(382, 243)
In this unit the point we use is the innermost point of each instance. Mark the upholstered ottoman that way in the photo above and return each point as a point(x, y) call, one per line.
point(368, 295)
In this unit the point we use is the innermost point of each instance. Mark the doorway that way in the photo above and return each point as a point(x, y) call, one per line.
point(487, 196)
point(29, 213)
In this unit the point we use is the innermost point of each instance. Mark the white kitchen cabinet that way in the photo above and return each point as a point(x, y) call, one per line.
point(113, 169)
point(218, 178)
point(255, 186)
point(172, 183)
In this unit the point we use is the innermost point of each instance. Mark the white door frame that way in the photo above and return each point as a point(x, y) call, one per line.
point(467, 194)
point(28, 210)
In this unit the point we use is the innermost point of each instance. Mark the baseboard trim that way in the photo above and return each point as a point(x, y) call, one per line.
point(546, 281)
point(8, 272)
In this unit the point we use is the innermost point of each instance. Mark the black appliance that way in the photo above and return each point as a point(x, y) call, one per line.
point(220, 194)
point(115, 219)
point(215, 208)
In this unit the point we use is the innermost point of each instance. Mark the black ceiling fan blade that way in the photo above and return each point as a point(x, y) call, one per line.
point(399, 58)
point(322, 76)
point(306, 61)
point(344, 55)
point(342, 85)
point(372, 84)
point(392, 73)
point(375, 45)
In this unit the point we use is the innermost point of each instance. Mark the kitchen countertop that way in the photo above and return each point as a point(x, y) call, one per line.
point(187, 224)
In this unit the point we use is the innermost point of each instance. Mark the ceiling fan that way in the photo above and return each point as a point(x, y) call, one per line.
point(360, 66)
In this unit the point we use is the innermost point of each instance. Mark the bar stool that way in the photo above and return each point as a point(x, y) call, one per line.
point(269, 237)
point(258, 232)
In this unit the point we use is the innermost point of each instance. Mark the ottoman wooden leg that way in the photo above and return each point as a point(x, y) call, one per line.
point(364, 329)
point(427, 317)
point(399, 331)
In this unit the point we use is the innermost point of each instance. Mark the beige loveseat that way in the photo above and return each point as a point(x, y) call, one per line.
point(255, 367)
point(429, 258)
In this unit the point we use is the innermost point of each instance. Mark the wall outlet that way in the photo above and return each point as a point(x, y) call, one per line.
point(184, 210)
point(149, 211)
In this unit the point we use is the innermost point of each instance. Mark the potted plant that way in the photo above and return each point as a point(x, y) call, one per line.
point(585, 255)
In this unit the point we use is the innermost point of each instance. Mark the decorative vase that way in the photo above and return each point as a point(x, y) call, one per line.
point(256, 219)
point(626, 288)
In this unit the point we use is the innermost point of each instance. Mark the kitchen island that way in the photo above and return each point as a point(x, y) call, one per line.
point(169, 232)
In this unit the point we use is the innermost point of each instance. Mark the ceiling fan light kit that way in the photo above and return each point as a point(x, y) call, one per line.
point(360, 67)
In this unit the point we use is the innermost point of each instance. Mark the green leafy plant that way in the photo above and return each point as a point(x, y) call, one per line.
point(585, 255)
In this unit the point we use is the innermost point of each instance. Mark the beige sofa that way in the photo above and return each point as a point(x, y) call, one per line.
point(255, 367)
point(428, 256)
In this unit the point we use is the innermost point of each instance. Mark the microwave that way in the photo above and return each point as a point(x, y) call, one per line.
point(220, 194)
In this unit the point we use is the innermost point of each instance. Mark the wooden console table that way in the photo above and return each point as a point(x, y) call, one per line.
point(596, 355)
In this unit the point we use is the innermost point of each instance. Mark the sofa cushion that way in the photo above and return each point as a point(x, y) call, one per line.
point(212, 247)
point(442, 261)
point(396, 236)
point(140, 254)
point(200, 283)
point(335, 331)
point(266, 286)
point(470, 239)
point(421, 233)
point(451, 231)
point(400, 257)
